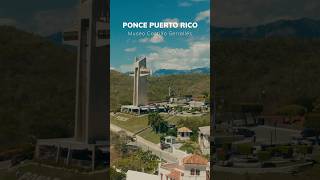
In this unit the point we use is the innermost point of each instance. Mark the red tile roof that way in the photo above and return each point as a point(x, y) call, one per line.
point(195, 159)
point(171, 166)
point(174, 175)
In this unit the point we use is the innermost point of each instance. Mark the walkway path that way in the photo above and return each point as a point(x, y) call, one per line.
point(147, 145)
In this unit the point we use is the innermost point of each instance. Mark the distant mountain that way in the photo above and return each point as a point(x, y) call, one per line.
point(302, 28)
point(162, 72)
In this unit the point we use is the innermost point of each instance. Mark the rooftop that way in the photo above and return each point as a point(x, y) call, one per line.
point(174, 175)
point(195, 159)
point(184, 129)
point(171, 166)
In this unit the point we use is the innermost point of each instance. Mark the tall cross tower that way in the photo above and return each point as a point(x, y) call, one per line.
point(140, 81)
point(90, 37)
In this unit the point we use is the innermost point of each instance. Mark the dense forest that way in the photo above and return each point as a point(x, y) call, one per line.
point(272, 71)
point(37, 88)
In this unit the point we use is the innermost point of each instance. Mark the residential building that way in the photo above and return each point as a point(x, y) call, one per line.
point(184, 133)
point(192, 167)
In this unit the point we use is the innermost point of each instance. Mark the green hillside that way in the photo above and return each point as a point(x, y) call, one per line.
point(38, 81)
point(37, 88)
point(286, 70)
point(158, 87)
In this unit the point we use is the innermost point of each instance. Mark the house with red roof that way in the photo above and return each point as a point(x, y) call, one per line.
point(192, 167)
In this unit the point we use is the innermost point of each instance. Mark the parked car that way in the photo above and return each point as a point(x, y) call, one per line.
point(164, 146)
point(133, 138)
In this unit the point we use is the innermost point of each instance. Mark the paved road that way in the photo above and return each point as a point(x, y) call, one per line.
point(147, 145)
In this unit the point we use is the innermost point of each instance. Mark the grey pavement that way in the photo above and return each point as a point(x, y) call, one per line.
point(147, 145)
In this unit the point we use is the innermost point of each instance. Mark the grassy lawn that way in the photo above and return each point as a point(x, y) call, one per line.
point(52, 173)
point(150, 136)
point(133, 124)
point(176, 119)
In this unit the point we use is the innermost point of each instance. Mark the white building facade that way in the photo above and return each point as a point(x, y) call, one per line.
point(204, 139)
point(192, 167)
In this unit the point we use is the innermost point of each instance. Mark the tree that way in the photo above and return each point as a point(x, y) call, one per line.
point(143, 161)
point(292, 110)
point(154, 121)
point(172, 132)
point(158, 124)
point(163, 126)
point(114, 175)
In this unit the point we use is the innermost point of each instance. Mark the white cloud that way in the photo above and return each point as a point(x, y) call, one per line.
point(156, 38)
point(8, 22)
point(133, 49)
point(195, 56)
point(184, 4)
point(188, 3)
point(173, 20)
point(144, 40)
point(203, 15)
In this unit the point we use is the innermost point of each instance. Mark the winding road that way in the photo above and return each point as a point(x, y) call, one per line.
point(147, 145)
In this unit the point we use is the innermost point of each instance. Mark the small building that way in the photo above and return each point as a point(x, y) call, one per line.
point(184, 133)
point(191, 167)
point(197, 104)
point(204, 139)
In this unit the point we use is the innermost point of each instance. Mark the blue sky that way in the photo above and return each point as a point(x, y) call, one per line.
point(46, 17)
point(163, 52)
point(43, 17)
